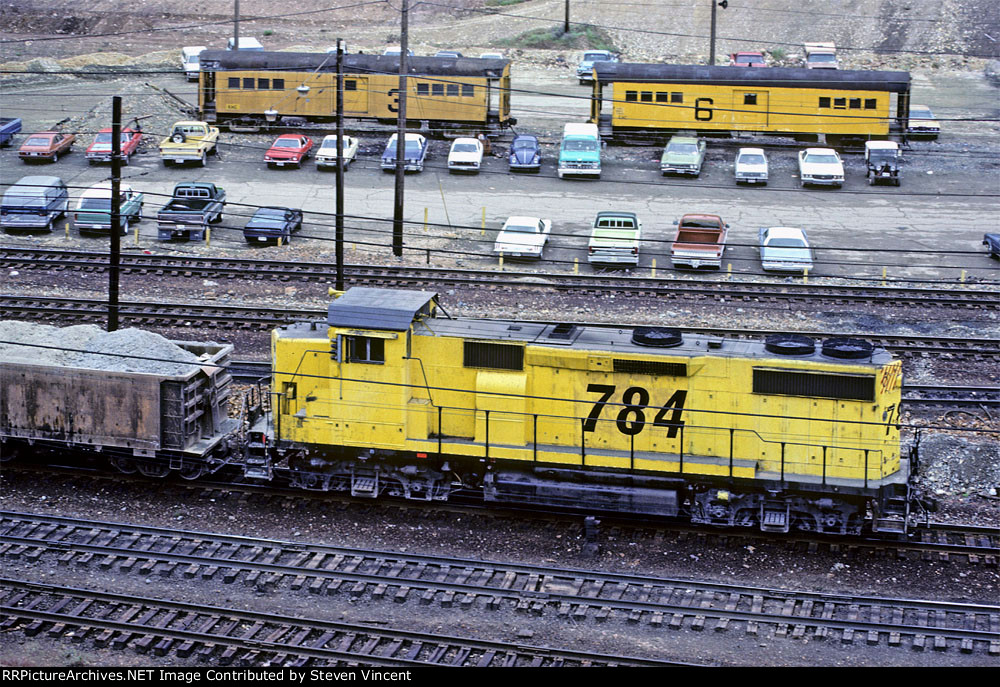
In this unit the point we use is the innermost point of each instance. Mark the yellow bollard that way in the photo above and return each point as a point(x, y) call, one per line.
point(425, 220)
point(67, 228)
point(482, 230)
point(279, 242)
point(136, 233)
point(354, 247)
point(208, 237)
point(501, 262)
point(884, 270)
point(654, 268)
point(805, 275)
point(576, 265)
point(729, 271)
point(963, 276)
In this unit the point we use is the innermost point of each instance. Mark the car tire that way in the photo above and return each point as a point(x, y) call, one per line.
point(55, 156)
point(204, 160)
point(166, 163)
point(218, 219)
point(125, 160)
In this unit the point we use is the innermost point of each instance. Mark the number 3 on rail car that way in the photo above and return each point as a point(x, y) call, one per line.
point(632, 417)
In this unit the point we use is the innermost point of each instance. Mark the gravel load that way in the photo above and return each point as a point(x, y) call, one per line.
point(83, 346)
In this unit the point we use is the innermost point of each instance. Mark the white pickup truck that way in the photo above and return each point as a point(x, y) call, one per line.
point(614, 240)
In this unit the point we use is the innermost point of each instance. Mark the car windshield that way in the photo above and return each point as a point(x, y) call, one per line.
point(752, 159)
point(521, 228)
point(822, 57)
point(921, 114)
point(464, 148)
point(270, 213)
point(95, 204)
point(882, 155)
point(682, 148)
point(286, 143)
point(822, 159)
point(752, 59)
point(105, 137)
point(786, 243)
point(524, 144)
point(580, 145)
point(595, 57)
point(37, 141)
point(25, 197)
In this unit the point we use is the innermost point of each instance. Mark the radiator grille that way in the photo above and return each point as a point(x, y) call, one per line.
point(816, 385)
point(651, 367)
point(493, 356)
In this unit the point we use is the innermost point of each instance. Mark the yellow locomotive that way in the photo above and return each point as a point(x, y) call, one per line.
point(649, 99)
point(251, 89)
point(392, 396)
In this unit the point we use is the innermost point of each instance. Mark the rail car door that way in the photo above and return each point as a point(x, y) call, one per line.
point(356, 95)
point(750, 110)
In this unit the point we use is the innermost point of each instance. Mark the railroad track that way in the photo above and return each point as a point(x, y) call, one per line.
point(569, 593)
point(438, 278)
point(226, 636)
point(196, 315)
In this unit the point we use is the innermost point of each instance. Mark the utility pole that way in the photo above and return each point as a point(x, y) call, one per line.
point(116, 211)
point(711, 53)
point(397, 214)
point(340, 165)
point(566, 20)
point(236, 26)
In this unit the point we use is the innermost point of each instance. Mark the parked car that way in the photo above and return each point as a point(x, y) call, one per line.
point(992, 243)
point(326, 156)
point(491, 56)
point(191, 61)
point(189, 141)
point(393, 51)
point(245, 43)
point(580, 151)
point(784, 249)
point(615, 238)
point(34, 202)
point(882, 160)
point(466, 155)
point(414, 153)
point(448, 53)
point(747, 59)
point(100, 149)
point(820, 55)
point(46, 145)
point(288, 149)
point(821, 166)
point(187, 215)
point(8, 127)
point(271, 223)
point(523, 237)
point(682, 155)
point(525, 153)
point(922, 122)
point(93, 209)
point(585, 69)
point(700, 241)
point(751, 166)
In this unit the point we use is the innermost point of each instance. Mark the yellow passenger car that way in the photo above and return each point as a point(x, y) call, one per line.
point(636, 99)
point(253, 88)
point(390, 396)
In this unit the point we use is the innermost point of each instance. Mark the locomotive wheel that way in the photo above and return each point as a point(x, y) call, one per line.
point(126, 466)
point(153, 469)
point(192, 471)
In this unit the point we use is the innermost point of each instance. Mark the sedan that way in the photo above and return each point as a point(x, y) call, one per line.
point(100, 149)
point(683, 155)
point(288, 149)
point(525, 153)
point(821, 166)
point(326, 156)
point(272, 223)
point(47, 145)
point(922, 122)
point(466, 155)
point(784, 249)
point(523, 237)
point(751, 166)
point(448, 53)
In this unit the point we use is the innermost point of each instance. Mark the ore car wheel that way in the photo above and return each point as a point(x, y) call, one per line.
point(192, 471)
point(153, 469)
point(8, 453)
point(126, 466)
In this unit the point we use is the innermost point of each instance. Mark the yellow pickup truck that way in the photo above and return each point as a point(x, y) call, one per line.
point(189, 142)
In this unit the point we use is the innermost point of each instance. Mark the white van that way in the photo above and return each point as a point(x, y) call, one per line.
point(190, 62)
point(245, 44)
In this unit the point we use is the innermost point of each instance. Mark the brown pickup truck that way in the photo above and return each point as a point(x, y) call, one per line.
point(700, 241)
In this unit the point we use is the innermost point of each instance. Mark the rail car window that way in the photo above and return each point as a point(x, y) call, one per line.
point(365, 349)
point(631, 96)
point(468, 90)
point(676, 97)
point(824, 102)
point(662, 97)
point(816, 385)
point(749, 98)
point(277, 84)
point(647, 96)
point(350, 85)
point(840, 103)
point(437, 89)
point(453, 90)
point(493, 356)
point(871, 104)
point(423, 89)
point(249, 82)
point(234, 82)
point(855, 103)
point(263, 84)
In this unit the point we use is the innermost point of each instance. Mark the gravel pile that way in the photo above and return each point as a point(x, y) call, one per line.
point(68, 343)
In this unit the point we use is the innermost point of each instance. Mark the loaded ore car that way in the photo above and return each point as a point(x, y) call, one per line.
point(644, 101)
point(250, 90)
point(160, 412)
point(387, 396)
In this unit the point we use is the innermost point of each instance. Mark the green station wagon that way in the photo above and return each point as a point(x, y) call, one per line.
point(683, 155)
point(93, 210)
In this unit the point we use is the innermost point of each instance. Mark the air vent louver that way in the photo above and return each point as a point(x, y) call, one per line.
point(657, 337)
point(790, 344)
point(847, 349)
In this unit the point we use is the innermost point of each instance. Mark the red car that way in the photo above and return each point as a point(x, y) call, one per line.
point(288, 149)
point(100, 149)
point(47, 145)
point(747, 59)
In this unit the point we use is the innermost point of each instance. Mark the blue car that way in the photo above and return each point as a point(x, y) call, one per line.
point(525, 153)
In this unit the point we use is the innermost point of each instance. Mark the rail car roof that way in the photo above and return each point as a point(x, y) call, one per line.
point(843, 79)
point(229, 60)
point(367, 308)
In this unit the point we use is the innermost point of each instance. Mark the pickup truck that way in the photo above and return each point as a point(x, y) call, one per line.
point(747, 59)
point(100, 149)
point(614, 240)
point(414, 153)
point(700, 241)
point(194, 205)
point(189, 142)
point(269, 224)
point(8, 127)
point(820, 55)
point(93, 210)
point(992, 241)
